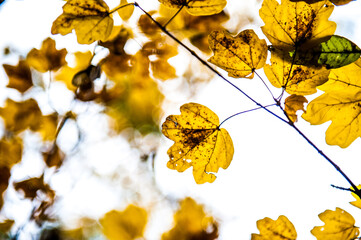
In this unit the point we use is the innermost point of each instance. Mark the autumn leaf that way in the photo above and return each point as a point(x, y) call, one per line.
point(356, 203)
point(240, 56)
point(195, 7)
point(280, 229)
point(126, 225)
point(6, 225)
point(199, 143)
point(11, 151)
point(90, 19)
point(336, 2)
point(31, 186)
point(296, 24)
point(341, 103)
point(295, 79)
point(117, 40)
point(19, 76)
point(339, 225)
point(191, 222)
point(294, 103)
point(4, 182)
point(48, 58)
point(54, 157)
point(67, 73)
point(125, 12)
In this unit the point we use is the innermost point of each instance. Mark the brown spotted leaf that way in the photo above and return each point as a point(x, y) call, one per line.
point(19, 76)
point(241, 55)
point(280, 229)
point(199, 143)
point(294, 103)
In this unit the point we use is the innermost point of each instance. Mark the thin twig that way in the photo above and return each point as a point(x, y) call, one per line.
point(170, 20)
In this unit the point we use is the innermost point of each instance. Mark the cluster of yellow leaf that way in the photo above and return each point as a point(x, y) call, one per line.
point(199, 142)
point(339, 225)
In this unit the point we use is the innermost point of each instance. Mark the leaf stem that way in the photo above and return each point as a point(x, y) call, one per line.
point(120, 7)
point(246, 111)
point(205, 63)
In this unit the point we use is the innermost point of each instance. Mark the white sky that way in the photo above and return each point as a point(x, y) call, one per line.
point(274, 171)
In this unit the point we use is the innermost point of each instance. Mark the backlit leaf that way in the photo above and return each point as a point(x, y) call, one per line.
point(294, 103)
point(240, 56)
point(199, 143)
point(338, 51)
point(341, 103)
point(126, 225)
point(191, 222)
point(339, 225)
point(125, 12)
point(48, 58)
point(280, 229)
point(296, 24)
point(196, 7)
point(19, 76)
point(295, 79)
point(89, 18)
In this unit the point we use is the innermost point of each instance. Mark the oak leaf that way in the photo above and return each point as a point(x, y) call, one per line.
point(196, 7)
point(296, 24)
point(48, 58)
point(199, 142)
point(280, 229)
point(191, 222)
point(19, 76)
point(341, 104)
point(241, 55)
point(339, 225)
point(126, 225)
point(294, 103)
point(295, 79)
point(90, 19)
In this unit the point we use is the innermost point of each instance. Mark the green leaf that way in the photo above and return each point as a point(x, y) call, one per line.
point(338, 51)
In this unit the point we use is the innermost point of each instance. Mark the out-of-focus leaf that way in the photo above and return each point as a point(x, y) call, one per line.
point(117, 40)
point(191, 222)
point(31, 186)
point(280, 229)
point(338, 51)
point(54, 157)
point(19, 76)
point(67, 73)
point(125, 12)
point(199, 142)
point(240, 56)
point(5, 226)
point(296, 24)
point(339, 225)
point(126, 225)
point(294, 103)
point(341, 104)
point(198, 8)
point(295, 79)
point(11, 151)
point(48, 58)
point(19, 116)
point(89, 18)
point(4, 182)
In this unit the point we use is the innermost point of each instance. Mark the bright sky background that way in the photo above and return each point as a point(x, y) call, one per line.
point(274, 171)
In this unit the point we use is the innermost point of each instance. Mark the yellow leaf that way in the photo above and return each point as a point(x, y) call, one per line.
point(296, 24)
point(48, 58)
point(126, 225)
point(191, 222)
point(4, 182)
point(341, 103)
point(6, 225)
point(295, 79)
point(19, 76)
point(198, 142)
point(281, 229)
point(11, 151)
point(198, 8)
point(66, 73)
point(294, 103)
point(356, 203)
point(125, 12)
point(339, 225)
point(90, 19)
point(19, 116)
point(240, 56)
